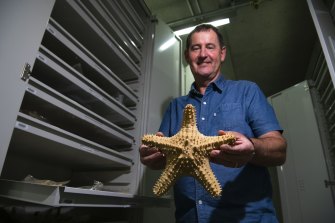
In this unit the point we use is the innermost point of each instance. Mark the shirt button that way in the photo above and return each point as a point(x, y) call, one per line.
point(214, 114)
point(200, 202)
point(203, 118)
point(204, 103)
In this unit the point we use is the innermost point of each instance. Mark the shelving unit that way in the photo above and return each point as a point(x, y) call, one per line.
point(60, 42)
point(53, 71)
point(44, 102)
point(70, 196)
point(96, 38)
point(78, 118)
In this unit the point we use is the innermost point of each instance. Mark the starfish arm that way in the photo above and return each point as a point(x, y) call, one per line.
point(153, 140)
point(206, 177)
point(209, 142)
point(167, 178)
point(160, 142)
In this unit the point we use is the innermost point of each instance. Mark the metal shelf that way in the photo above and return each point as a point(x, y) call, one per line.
point(54, 72)
point(114, 29)
point(35, 138)
point(75, 197)
point(59, 111)
point(130, 13)
point(65, 46)
point(125, 22)
point(96, 38)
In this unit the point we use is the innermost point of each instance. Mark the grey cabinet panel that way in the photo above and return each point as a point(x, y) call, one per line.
point(18, 44)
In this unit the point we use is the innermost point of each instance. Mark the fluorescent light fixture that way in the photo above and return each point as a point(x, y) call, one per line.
point(215, 23)
point(220, 22)
point(167, 44)
point(184, 31)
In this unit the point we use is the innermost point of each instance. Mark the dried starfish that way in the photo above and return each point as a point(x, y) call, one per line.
point(187, 154)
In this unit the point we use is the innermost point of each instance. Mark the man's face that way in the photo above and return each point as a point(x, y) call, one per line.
point(205, 55)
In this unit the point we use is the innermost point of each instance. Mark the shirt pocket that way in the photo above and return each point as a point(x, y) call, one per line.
point(230, 117)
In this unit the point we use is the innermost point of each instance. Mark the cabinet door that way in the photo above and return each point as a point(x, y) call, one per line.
point(304, 196)
point(163, 86)
point(22, 26)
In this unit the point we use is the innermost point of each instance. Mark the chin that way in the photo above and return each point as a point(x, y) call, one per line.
point(206, 74)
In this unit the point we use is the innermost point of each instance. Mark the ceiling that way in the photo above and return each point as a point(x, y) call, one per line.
point(269, 42)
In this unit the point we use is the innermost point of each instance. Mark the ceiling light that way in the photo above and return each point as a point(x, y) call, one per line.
point(215, 23)
point(167, 44)
point(220, 22)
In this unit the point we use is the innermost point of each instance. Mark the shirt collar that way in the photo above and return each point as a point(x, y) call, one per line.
point(216, 85)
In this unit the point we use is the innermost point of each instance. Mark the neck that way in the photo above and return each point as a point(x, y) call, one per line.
point(201, 84)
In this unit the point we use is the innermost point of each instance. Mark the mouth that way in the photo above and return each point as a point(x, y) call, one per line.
point(203, 62)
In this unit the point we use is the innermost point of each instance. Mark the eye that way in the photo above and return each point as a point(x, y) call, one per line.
point(195, 47)
point(210, 46)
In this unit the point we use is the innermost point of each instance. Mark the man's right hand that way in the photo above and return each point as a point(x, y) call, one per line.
point(152, 157)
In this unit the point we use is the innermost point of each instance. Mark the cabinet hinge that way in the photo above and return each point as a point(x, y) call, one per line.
point(26, 72)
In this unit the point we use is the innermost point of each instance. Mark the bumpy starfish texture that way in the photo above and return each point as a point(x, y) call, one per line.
point(187, 154)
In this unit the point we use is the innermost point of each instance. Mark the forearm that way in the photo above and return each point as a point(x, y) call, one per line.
point(270, 150)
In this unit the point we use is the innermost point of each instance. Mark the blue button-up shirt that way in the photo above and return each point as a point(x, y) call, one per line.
point(246, 192)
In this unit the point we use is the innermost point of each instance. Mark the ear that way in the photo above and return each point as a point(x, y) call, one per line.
point(223, 53)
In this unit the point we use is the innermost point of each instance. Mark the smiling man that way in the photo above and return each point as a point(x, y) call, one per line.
point(204, 53)
point(237, 107)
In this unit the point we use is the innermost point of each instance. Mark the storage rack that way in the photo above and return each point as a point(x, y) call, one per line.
point(79, 113)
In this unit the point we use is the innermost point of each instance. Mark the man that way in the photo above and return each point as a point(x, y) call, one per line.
point(223, 105)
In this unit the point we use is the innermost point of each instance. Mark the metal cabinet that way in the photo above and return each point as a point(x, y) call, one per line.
point(304, 195)
point(78, 110)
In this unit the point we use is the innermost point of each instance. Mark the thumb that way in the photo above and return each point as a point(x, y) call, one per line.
point(221, 132)
point(159, 134)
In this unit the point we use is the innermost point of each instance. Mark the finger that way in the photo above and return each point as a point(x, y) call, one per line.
point(217, 157)
point(152, 157)
point(221, 132)
point(160, 134)
point(237, 150)
point(146, 150)
point(227, 163)
point(236, 158)
point(154, 161)
point(222, 157)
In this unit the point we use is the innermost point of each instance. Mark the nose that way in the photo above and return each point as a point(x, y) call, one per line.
point(203, 52)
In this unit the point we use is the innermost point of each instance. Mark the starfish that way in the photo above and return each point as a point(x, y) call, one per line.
point(187, 154)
